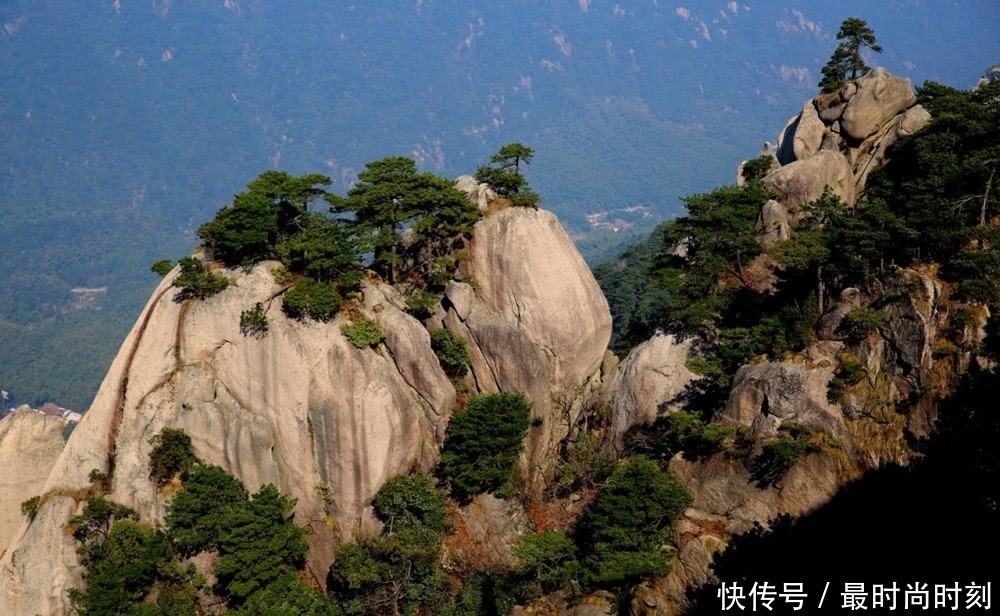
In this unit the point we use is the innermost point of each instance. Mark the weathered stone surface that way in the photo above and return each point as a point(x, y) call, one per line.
point(850, 298)
point(479, 193)
point(30, 443)
point(409, 346)
point(880, 96)
point(767, 393)
point(647, 384)
point(874, 152)
point(300, 408)
point(910, 320)
point(492, 526)
point(832, 113)
point(41, 565)
point(773, 223)
point(803, 181)
point(832, 141)
point(538, 322)
point(808, 132)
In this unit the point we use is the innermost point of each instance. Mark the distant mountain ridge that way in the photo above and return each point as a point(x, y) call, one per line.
point(126, 123)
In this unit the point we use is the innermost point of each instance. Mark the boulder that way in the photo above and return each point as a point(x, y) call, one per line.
point(832, 141)
point(479, 193)
point(772, 226)
point(535, 322)
point(30, 443)
point(766, 394)
point(878, 98)
point(808, 132)
point(647, 384)
point(832, 112)
point(803, 181)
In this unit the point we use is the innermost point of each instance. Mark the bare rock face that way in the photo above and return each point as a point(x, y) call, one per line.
point(773, 223)
point(535, 321)
point(803, 181)
point(41, 565)
point(873, 153)
point(647, 383)
point(30, 443)
point(479, 193)
point(808, 133)
point(488, 529)
point(767, 393)
point(910, 321)
point(300, 407)
point(879, 97)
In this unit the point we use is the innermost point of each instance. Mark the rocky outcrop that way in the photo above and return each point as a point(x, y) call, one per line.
point(803, 180)
point(30, 443)
point(479, 193)
point(535, 321)
point(839, 138)
point(772, 226)
point(766, 394)
point(874, 152)
point(647, 384)
point(300, 408)
point(875, 100)
point(808, 133)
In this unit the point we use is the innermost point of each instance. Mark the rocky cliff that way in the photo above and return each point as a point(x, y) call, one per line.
point(302, 408)
point(535, 322)
point(887, 384)
point(30, 443)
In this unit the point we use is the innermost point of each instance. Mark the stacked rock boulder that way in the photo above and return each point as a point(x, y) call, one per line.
point(836, 140)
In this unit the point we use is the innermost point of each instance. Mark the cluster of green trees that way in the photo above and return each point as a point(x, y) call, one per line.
point(398, 571)
point(406, 225)
point(483, 443)
point(136, 570)
point(503, 173)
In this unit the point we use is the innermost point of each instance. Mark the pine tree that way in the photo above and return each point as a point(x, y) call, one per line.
point(846, 61)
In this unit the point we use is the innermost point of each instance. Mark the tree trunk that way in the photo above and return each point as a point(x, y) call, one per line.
point(820, 289)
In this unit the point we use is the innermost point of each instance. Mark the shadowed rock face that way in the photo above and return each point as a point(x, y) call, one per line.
point(536, 321)
point(768, 393)
point(30, 443)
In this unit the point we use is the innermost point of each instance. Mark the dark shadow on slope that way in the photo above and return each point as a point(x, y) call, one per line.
point(935, 522)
